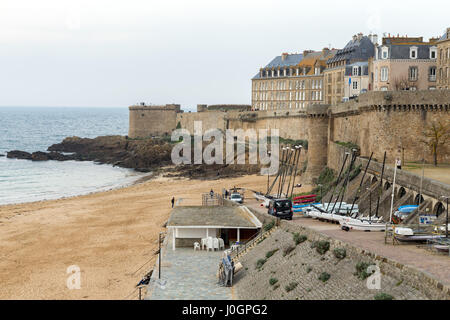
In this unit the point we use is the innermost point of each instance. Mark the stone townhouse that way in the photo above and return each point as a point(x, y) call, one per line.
point(291, 81)
point(359, 49)
point(443, 61)
point(404, 63)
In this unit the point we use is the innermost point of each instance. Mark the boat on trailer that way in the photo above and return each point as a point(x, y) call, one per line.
point(349, 223)
point(405, 234)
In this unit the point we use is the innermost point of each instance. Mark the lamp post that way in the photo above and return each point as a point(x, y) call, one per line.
point(269, 153)
point(446, 218)
point(159, 255)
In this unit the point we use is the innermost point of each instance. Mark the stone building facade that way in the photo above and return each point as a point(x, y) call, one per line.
point(443, 61)
point(359, 49)
point(404, 63)
point(291, 81)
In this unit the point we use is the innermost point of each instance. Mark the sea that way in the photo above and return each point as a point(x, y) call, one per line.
point(35, 129)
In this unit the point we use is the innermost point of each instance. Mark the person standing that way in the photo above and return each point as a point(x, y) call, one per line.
point(173, 201)
point(398, 163)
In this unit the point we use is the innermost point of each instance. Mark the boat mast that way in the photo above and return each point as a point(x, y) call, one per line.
point(346, 181)
point(393, 193)
point(360, 185)
point(381, 185)
point(337, 180)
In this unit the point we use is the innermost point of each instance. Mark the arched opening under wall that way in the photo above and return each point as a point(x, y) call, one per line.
point(387, 185)
point(374, 179)
point(438, 209)
point(418, 199)
point(401, 192)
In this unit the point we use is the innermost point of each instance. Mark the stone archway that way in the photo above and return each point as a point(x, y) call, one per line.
point(401, 192)
point(418, 199)
point(387, 185)
point(438, 209)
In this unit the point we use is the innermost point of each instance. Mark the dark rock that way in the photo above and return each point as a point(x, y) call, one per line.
point(17, 154)
point(39, 156)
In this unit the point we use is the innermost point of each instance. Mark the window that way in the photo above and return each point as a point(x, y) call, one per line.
point(413, 72)
point(355, 71)
point(383, 88)
point(413, 53)
point(432, 75)
point(355, 85)
point(384, 74)
point(433, 53)
point(317, 71)
point(384, 53)
point(376, 74)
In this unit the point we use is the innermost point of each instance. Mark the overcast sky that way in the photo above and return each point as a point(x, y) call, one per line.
point(117, 53)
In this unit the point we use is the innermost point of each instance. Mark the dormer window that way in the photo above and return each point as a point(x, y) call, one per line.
point(384, 53)
point(413, 53)
point(433, 53)
point(317, 71)
point(355, 71)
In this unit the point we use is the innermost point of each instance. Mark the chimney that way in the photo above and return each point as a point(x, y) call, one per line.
point(375, 39)
point(355, 37)
point(360, 35)
point(325, 51)
point(284, 56)
point(448, 33)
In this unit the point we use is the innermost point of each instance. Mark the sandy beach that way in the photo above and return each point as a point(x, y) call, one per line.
point(112, 237)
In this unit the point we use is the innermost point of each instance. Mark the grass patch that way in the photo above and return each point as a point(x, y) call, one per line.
point(321, 246)
point(291, 286)
point(269, 225)
point(271, 253)
point(272, 281)
point(361, 270)
point(299, 238)
point(324, 276)
point(349, 145)
point(340, 253)
point(260, 263)
point(288, 250)
point(383, 296)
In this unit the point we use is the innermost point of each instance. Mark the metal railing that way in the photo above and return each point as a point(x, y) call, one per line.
point(214, 199)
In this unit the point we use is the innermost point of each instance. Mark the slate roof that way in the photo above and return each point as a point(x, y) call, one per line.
point(444, 36)
point(355, 50)
point(290, 60)
point(212, 216)
point(401, 51)
point(363, 68)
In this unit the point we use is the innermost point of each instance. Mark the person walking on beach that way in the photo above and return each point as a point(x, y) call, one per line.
point(173, 201)
point(398, 163)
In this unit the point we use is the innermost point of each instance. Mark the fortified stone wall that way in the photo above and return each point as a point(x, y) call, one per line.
point(146, 121)
point(391, 122)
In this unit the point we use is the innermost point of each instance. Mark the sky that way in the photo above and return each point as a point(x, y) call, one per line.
point(117, 53)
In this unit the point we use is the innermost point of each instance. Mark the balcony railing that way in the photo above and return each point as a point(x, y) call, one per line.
point(432, 77)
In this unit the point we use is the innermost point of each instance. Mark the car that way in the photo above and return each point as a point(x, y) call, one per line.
point(236, 197)
point(281, 208)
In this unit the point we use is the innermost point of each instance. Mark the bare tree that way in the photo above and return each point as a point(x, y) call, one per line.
point(401, 83)
point(436, 135)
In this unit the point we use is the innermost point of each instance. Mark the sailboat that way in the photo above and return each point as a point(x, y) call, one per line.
point(368, 223)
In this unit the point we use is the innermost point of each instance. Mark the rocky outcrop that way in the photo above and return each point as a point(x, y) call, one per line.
point(142, 154)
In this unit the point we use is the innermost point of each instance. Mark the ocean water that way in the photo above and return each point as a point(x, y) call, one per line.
point(35, 129)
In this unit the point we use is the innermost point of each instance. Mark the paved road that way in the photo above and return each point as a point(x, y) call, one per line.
point(189, 275)
point(435, 264)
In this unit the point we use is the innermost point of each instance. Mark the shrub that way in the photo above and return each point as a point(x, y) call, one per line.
point(324, 276)
point(308, 270)
point(340, 253)
point(299, 238)
point(288, 250)
point(322, 246)
point(269, 225)
point(383, 296)
point(291, 286)
point(361, 269)
point(272, 281)
point(260, 263)
point(270, 253)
